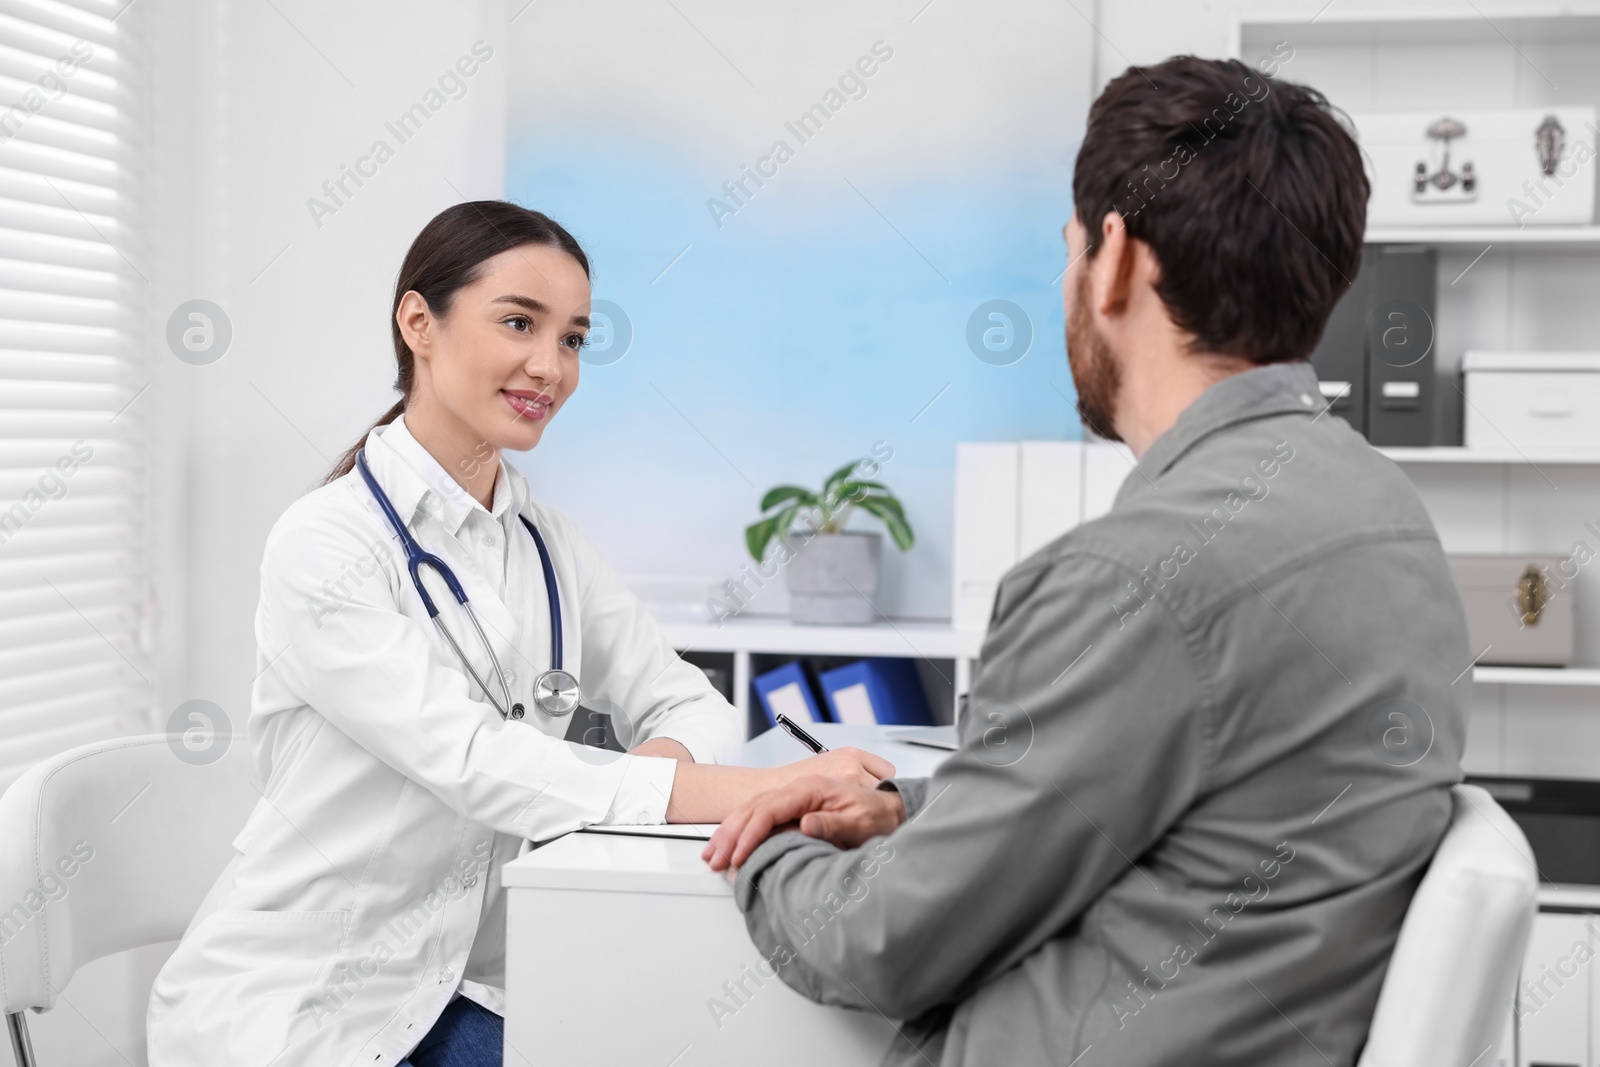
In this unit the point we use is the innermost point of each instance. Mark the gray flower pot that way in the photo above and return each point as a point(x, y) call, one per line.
point(833, 579)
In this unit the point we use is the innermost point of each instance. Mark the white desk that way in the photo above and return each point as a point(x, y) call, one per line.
point(619, 948)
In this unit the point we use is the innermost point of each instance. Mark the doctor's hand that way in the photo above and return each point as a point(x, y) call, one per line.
point(849, 766)
point(844, 815)
point(708, 793)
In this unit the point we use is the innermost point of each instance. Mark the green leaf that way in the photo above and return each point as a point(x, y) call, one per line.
point(888, 509)
point(838, 476)
point(786, 519)
point(779, 494)
point(854, 491)
point(756, 536)
point(889, 501)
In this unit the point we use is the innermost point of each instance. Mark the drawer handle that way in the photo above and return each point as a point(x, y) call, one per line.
point(1533, 593)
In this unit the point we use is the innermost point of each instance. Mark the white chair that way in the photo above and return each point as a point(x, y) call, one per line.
point(108, 847)
point(1448, 990)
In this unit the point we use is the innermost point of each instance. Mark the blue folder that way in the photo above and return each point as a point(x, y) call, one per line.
point(883, 689)
point(787, 689)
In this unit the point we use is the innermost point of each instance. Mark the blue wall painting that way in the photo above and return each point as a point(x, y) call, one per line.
point(837, 228)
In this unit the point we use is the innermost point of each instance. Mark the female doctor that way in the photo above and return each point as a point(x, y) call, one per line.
point(410, 743)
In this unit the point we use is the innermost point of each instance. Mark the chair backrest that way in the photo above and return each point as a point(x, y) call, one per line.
point(1447, 993)
point(111, 846)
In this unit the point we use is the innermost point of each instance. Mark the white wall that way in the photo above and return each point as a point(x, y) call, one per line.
point(291, 99)
point(829, 309)
point(256, 104)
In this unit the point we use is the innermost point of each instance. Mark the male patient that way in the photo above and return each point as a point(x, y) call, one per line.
point(1208, 751)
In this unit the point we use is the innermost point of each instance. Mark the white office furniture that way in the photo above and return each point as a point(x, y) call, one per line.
point(1454, 968)
point(1558, 1003)
point(1500, 288)
point(628, 950)
point(108, 847)
point(1501, 145)
point(1483, 501)
point(747, 635)
point(1562, 238)
point(1014, 497)
point(1537, 400)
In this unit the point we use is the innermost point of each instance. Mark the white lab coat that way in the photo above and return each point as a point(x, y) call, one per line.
point(366, 888)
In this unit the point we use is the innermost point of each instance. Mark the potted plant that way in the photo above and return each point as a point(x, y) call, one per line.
point(831, 572)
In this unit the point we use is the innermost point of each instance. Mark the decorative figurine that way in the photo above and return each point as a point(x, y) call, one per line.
point(1427, 188)
point(1551, 138)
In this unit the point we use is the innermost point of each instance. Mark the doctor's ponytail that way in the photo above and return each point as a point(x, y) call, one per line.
point(445, 258)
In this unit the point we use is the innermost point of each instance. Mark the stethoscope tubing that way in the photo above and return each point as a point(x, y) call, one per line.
point(553, 588)
point(417, 558)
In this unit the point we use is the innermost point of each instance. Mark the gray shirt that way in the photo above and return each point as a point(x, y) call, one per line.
point(1205, 761)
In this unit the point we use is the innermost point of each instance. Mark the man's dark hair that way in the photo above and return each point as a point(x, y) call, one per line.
point(1249, 191)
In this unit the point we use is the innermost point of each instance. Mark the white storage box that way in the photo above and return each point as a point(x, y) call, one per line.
point(1515, 616)
point(1522, 400)
point(1509, 185)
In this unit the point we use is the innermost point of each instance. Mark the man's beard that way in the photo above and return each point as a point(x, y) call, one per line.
point(1093, 366)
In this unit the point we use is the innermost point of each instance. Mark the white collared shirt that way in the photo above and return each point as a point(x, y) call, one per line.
point(367, 886)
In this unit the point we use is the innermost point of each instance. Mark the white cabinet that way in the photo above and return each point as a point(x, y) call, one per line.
point(1558, 994)
point(1013, 498)
point(1553, 1010)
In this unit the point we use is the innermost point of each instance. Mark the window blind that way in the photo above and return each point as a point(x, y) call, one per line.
point(74, 564)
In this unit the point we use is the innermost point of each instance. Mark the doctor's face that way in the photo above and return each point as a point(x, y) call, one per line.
point(505, 358)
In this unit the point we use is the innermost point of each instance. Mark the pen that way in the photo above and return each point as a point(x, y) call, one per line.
point(791, 728)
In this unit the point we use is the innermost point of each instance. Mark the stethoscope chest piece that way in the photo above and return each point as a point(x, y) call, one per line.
point(555, 692)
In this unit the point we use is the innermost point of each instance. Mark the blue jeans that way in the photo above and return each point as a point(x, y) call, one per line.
point(466, 1035)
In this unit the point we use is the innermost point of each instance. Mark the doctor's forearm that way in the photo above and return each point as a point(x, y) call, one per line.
point(704, 792)
point(708, 792)
point(665, 747)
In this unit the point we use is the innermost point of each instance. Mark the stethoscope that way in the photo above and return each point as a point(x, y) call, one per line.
point(555, 692)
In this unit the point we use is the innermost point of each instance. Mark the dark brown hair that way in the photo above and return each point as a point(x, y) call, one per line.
point(1250, 192)
point(447, 256)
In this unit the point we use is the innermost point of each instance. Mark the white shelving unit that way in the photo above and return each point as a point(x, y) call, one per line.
point(746, 635)
point(1534, 676)
point(1587, 676)
point(1473, 24)
point(1501, 288)
point(922, 639)
point(1476, 456)
point(1562, 238)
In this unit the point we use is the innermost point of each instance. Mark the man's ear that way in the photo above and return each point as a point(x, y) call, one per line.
point(1113, 267)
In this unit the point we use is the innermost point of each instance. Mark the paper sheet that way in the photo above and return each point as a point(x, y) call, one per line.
point(693, 831)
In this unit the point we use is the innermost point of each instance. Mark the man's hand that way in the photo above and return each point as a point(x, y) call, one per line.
point(844, 815)
point(850, 766)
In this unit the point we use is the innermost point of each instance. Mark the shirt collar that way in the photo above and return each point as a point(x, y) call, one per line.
point(417, 483)
point(1274, 389)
